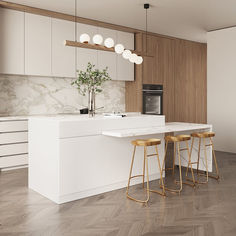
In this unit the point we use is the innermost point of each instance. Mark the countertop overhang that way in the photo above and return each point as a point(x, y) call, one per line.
point(168, 128)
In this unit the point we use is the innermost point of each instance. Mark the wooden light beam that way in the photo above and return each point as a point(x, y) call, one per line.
point(98, 47)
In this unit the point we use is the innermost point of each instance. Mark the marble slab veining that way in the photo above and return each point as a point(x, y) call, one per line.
point(31, 95)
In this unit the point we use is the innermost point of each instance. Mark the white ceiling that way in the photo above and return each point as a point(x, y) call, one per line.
point(187, 19)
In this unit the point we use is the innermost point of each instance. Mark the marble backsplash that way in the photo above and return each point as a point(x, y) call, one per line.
point(31, 95)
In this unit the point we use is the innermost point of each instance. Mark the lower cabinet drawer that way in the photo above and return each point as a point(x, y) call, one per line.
point(12, 161)
point(13, 137)
point(11, 126)
point(12, 149)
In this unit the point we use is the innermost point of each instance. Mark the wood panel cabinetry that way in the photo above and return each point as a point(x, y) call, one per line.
point(190, 81)
point(180, 66)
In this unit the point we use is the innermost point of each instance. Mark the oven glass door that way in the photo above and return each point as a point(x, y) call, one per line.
point(152, 104)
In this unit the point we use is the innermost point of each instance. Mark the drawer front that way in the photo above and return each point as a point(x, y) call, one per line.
point(13, 137)
point(11, 126)
point(12, 149)
point(11, 161)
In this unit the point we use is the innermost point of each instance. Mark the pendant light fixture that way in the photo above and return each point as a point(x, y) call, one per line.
point(146, 7)
point(108, 44)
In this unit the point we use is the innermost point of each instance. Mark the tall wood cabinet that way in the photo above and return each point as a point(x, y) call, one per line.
point(178, 65)
point(190, 81)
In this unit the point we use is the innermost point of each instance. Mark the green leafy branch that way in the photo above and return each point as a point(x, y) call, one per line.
point(91, 79)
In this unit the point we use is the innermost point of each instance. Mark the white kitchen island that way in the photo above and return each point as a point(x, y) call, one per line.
point(72, 157)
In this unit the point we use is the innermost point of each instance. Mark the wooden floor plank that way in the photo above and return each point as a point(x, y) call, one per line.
point(207, 210)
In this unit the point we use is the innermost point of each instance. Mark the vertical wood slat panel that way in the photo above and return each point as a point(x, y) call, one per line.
point(179, 65)
point(133, 89)
point(190, 81)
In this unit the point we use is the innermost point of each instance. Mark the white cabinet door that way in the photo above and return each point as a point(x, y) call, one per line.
point(63, 57)
point(107, 59)
point(85, 55)
point(11, 42)
point(125, 69)
point(37, 45)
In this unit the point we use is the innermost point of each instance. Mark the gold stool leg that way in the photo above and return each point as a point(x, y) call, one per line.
point(163, 164)
point(191, 150)
point(206, 163)
point(180, 171)
point(204, 141)
point(217, 177)
point(199, 151)
point(130, 177)
point(173, 171)
point(144, 167)
point(130, 172)
point(148, 190)
point(180, 174)
point(190, 164)
point(161, 179)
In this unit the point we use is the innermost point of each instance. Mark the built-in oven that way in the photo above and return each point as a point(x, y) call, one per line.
point(152, 99)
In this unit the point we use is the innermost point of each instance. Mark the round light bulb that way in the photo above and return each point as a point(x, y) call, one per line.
point(109, 43)
point(97, 39)
point(84, 38)
point(138, 60)
point(133, 57)
point(119, 48)
point(126, 54)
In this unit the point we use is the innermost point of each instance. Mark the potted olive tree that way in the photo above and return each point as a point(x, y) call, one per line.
point(90, 82)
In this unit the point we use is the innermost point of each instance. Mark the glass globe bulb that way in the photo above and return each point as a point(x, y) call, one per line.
point(126, 54)
point(109, 43)
point(132, 57)
point(119, 48)
point(138, 60)
point(84, 38)
point(97, 39)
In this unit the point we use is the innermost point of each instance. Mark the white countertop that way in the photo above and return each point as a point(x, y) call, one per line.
point(64, 117)
point(11, 118)
point(168, 128)
point(87, 118)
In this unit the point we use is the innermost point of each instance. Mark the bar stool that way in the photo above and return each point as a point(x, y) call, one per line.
point(145, 143)
point(176, 140)
point(204, 136)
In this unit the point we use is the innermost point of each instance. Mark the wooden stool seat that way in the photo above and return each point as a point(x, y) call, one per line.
point(203, 135)
point(146, 142)
point(209, 134)
point(178, 138)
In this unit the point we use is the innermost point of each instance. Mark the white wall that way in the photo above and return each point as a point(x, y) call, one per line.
point(221, 87)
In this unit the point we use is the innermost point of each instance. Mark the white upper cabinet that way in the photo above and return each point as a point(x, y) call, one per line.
point(11, 42)
point(85, 55)
point(37, 45)
point(107, 59)
point(34, 45)
point(125, 69)
point(63, 57)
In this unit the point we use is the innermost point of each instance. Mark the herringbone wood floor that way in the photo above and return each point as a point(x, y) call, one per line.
point(208, 210)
